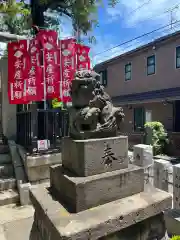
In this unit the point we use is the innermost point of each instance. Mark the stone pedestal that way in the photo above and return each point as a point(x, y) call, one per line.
point(94, 156)
point(95, 194)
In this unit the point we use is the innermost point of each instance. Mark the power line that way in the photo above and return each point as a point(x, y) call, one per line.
point(166, 11)
point(138, 37)
point(128, 48)
point(139, 7)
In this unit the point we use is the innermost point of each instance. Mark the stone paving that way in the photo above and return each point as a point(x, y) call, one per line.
point(15, 222)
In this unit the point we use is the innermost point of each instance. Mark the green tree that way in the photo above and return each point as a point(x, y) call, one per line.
point(14, 16)
point(83, 13)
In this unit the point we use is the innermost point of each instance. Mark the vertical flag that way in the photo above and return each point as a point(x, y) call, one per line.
point(17, 71)
point(48, 39)
point(34, 90)
point(83, 60)
point(67, 67)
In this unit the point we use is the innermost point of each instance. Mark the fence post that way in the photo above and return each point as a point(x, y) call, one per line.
point(34, 129)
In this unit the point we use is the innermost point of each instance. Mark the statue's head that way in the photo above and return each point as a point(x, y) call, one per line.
point(86, 74)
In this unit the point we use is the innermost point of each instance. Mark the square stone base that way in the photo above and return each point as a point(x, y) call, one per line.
point(53, 222)
point(149, 229)
point(172, 219)
point(81, 193)
point(95, 156)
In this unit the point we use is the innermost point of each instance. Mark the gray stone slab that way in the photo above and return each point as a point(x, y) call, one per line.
point(172, 219)
point(5, 158)
point(94, 156)
point(7, 183)
point(55, 222)
point(161, 178)
point(176, 186)
point(8, 197)
point(2, 236)
point(151, 228)
point(38, 173)
point(81, 193)
point(43, 159)
point(143, 155)
point(6, 170)
point(18, 230)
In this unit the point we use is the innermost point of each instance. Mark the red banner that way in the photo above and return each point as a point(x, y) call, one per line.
point(46, 70)
point(47, 37)
point(51, 63)
point(68, 67)
point(34, 87)
point(18, 63)
point(83, 60)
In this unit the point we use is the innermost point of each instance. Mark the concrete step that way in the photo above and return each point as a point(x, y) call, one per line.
point(6, 170)
point(7, 183)
point(5, 158)
point(4, 148)
point(8, 197)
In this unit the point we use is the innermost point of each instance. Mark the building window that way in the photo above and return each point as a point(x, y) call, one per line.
point(103, 77)
point(139, 119)
point(151, 65)
point(128, 72)
point(178, 57)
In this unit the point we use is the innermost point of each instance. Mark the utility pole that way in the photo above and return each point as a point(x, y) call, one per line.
point(171, 10)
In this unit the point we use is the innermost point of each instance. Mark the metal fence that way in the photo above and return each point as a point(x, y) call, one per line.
point(40, 125)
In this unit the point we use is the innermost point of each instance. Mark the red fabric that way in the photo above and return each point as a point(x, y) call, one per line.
point(18, 62)
point(47, 36)
point(68, 67)
point(83, 60)
point(34, 88)
point(51, 64)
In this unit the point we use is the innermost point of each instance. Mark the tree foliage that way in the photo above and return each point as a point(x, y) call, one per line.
point(82, 12)
point(159, 137)
point(14, 16)
point(17, 14)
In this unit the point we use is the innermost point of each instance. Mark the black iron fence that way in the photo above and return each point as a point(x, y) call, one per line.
point(49, 125)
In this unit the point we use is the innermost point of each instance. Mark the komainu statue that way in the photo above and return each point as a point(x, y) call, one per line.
point(92, 114)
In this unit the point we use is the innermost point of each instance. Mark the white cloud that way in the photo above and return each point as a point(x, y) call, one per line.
point(138, 11)
point(151, 14)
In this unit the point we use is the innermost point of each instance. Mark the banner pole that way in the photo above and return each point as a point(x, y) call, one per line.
point(44, 80)
point(60, 66)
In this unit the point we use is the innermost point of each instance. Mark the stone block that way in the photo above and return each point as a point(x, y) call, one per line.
point(5, 158)
point(38, 173)
point(81, 193)
point(24, 193)
point(2, 233)
point(6, 170)
point(143, 155)
point(43, 159)
point(94, 156)
point(8, 197)
point(151, 228)
point(161, 176)
point(55, 222)
point(172, 219)
point(176, 186)
point(7, 183)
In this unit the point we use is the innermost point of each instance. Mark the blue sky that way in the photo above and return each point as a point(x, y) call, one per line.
point(130, 18)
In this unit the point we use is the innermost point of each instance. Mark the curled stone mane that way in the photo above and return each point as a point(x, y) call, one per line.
point(84, 74)
point(93, 114)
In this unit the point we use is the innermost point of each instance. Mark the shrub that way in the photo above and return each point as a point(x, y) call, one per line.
point(159, 137)
point(175, 238)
